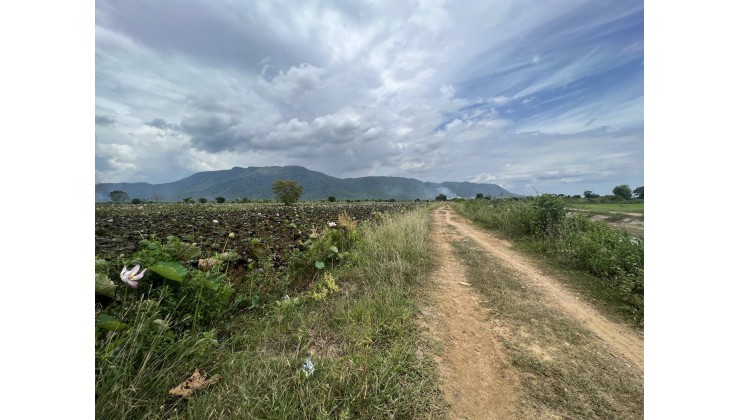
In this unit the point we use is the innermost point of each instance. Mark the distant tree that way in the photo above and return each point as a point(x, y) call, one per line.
point(590, 194)
point(220, 199)
point(479, 196)
point(136, 201)
point(332, 199)
point(639, 192)
point(187, 200)
point(202, 200)
point(118, 196)
point(287, 192)
point(441, 197)
point(622, 191)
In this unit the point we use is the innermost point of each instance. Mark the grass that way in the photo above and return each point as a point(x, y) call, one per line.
point(566, 371)
point(370, 358)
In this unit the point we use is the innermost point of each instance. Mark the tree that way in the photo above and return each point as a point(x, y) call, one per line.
point(479, 196)
point(622, 191)
point(220, 199)
point(639, 192)
point(118, 196)
point(332, 199)
point(441, 197)
point(136, 201)
point(202, 200)
point(287, 192)
point(590, 194)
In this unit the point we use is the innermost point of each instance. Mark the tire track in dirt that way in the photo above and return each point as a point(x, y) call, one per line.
point(622, 339)
point(478, 382)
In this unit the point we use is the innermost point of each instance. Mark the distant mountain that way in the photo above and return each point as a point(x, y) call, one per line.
point(256, 183)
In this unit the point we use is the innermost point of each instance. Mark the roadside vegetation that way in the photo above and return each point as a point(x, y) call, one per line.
point(321, 329)
point(541, 224)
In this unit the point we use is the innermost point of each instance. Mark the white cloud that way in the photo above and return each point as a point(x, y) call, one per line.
point(430, 90)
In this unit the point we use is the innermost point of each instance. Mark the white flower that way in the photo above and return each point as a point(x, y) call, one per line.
point(130, 277)
point(332, 224)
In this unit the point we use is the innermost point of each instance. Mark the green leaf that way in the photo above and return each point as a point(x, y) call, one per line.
point(333, 249)
point(210, 284)
point(319, 265)
point(110, 323)
point(170, 270)
point(104, 286)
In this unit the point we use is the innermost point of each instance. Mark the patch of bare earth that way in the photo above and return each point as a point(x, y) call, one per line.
point(478, 378)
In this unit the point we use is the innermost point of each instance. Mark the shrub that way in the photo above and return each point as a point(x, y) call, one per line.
point(136, 201)
point(202, 200)
point(331, 199)
point(220, 200)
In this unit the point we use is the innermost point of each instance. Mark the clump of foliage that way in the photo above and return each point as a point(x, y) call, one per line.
point(118, 196)
point(287, 192)
point(440, 197)
point(331, 199)
point(622, 191)
point(220, 200)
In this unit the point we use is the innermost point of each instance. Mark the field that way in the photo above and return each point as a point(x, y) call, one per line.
point(259, 229)
point(362, 310)
point(286, 311)
point(610, 207)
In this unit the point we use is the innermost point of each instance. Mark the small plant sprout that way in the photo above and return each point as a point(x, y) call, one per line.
point(130, 277)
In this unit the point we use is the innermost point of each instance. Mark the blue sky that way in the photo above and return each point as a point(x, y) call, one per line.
point(529, 95)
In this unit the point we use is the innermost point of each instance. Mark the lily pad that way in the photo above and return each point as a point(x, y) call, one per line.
point(104, 286)
point(110, 323)
point(170, 270)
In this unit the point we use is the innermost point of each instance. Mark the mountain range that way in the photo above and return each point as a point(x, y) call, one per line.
point(256, 183)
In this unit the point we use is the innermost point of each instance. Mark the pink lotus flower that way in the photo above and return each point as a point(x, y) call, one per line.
point(130, 277)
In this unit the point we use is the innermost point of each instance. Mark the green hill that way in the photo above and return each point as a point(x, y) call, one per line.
point(256, 183)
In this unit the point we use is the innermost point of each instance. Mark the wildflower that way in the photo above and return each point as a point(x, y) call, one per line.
point(130, 277)
point(232, 235)
point(332, 224)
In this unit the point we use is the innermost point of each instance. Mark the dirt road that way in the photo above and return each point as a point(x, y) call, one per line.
point(479, 380)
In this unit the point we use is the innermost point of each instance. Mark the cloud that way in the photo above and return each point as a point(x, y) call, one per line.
point(423, 90)
point(104, 120)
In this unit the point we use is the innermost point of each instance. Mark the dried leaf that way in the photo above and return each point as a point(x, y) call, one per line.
point(195, 382)
point(205, 264)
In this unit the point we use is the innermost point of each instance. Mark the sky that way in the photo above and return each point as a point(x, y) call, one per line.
point(533, 96)
point(51, 84)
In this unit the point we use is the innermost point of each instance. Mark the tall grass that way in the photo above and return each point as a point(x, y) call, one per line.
point(370, 359)
point(573, 240)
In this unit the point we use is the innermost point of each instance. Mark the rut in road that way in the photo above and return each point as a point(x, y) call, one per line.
point(478, 380)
